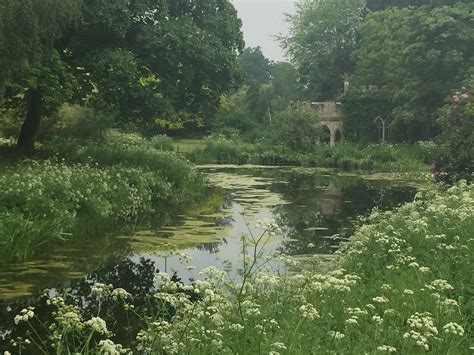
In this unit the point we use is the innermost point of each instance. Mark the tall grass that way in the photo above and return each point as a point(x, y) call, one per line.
point(379, 157)
point(402, 284)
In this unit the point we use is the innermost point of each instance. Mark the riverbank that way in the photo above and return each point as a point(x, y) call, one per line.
point(73, 188)
point(401, 284)
point(344, 156)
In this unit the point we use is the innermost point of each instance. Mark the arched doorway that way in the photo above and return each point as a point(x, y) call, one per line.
point(325, 135)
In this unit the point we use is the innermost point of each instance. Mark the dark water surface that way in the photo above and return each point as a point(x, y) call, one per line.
point(311, 206)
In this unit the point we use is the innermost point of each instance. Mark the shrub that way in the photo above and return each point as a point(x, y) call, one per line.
point(457, 120)
point(298, 129)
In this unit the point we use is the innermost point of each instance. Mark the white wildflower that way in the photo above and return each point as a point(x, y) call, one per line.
point(98, 325)
point(424, 269)
point(448, 303)
point(110, 348)
point(24, 315)
point(101, 289)
point(453, 328)
point(380, 299)
point(377, 319)
point(309, 311)
point(387, 348)
point(351, 321)
point(440, 285)
point(120, 293)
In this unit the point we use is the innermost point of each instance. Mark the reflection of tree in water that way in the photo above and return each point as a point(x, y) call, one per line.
point(322, 206)
point(221, 221)
point(212, 248)
point(135, 277)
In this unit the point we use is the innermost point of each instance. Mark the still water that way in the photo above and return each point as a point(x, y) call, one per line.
point(315, 209)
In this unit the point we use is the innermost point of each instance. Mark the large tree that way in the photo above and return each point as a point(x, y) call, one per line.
point(320, 43)
point(422, 54)
point(153, 63)
point(255, 65)
point(284, 79)
point(31, 71)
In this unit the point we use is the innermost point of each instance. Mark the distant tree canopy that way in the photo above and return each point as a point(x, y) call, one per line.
point(285, 81)
point(255, 65)
point(251, 110)
point(383, 4)
point(322, 37)
point(422, 54)
point(361, 108)
point(156, 64)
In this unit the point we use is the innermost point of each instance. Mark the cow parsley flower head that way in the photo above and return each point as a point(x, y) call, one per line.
point(98, 325)
point(453, 328)
point(24, 315)
point(387, 348)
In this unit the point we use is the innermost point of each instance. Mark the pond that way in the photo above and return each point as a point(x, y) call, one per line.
point(315, 208)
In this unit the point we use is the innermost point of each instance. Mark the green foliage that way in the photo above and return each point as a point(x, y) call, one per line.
point(285, 81)
point(422, 53)
point(259, 101)
point(361, 108)
point(322, 36)
point(254, 64)
point(298, 129)
point(251, 110)
point(457, 120)
point(28, 30)
point(372, 157)
point(74, 121)
point(156, 66)
point(383, 4)
point(384, 291)
point(234, 116)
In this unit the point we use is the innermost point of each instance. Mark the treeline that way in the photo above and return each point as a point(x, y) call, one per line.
point(409, 64)
point(150, 66)
point(251, 111)
point(420, 51)
point(383, 4)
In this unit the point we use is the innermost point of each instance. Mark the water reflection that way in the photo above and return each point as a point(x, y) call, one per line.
point(323, 208)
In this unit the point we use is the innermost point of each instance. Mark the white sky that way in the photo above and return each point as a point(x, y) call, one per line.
point(263, 19)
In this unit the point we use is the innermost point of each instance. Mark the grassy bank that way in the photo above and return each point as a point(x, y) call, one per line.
point(402, 284)
point(70, 185)
point(381, 157)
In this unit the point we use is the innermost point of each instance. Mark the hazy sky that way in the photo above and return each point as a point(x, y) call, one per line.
point(263, 19)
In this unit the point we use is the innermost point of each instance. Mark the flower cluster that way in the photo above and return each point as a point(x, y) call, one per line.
point(24, 315)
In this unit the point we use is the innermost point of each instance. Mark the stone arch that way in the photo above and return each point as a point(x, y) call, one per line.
point(325, 134)
point(330, 115)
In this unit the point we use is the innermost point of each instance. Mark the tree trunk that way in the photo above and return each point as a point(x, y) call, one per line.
point(29, 129)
